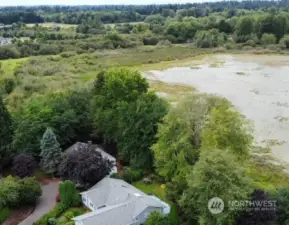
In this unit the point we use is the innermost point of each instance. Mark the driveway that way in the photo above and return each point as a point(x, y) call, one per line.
point(46, 202)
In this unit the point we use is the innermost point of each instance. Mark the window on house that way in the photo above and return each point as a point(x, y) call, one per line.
point(83, 199)
point(91, 205)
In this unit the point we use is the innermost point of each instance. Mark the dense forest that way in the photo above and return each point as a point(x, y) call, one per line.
point(64, 79)
point(228, 24)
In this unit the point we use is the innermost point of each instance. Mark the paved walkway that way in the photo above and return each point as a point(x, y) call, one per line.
point(46, 202)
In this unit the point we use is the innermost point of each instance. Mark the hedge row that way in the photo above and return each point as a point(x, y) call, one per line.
point(54, 213)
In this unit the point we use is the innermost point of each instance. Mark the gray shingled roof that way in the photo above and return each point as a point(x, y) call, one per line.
point(122, 201)
point(112, 215)
point(80, 145)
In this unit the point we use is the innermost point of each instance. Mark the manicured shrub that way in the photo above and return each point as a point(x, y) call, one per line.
point(131, 175)
point(68, 194)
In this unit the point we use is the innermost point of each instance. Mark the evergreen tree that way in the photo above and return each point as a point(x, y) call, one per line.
point(50, 152)
point(6, 132)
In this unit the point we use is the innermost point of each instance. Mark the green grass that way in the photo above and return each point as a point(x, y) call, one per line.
point(8, 66)
point(172, 89)
point(266, 175)
point(51, 25)
point(154, 189)
point(4, 214)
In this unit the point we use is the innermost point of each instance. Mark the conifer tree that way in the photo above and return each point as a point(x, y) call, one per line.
point(6, 131)
point(50, 152)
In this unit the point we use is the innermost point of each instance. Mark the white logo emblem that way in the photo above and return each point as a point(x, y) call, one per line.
point(216, 205)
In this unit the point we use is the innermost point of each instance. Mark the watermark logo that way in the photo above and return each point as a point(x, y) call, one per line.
point(216, 205)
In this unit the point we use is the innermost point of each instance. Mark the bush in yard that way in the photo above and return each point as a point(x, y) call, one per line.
point(156, 218)
point(50, 152)
point(24, 165)
point(52, 221)
point(30, 191)
point(54, 213)
point(68, 194)
point(9, 192)
point(16, 192)
point(116, 176)
point(131, 175)
point(4, 214)
point(69, 215)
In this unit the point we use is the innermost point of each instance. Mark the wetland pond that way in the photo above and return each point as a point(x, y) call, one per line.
point(257, 85)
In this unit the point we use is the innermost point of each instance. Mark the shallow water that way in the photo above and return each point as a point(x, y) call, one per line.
point(257, 85)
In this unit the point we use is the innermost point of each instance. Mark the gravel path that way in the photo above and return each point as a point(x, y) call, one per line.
point(46, 202)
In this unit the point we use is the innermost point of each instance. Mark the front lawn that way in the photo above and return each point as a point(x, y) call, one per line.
point(152, 189)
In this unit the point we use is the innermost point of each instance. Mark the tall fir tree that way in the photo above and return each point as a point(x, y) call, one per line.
point(50, 152)
point(6, 132)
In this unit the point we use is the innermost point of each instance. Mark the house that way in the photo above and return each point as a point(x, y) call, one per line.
point(4, 27)
point(5, 41)
point(80, 145)
point(115, 202)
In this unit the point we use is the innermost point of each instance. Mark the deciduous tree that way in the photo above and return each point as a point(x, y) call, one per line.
point(24, 165)
point(216, 174)
point(85, 166)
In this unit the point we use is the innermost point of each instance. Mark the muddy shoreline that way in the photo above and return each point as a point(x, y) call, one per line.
point(257, 85)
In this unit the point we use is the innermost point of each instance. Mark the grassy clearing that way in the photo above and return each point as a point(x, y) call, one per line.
point(112, 25)
point(171, 89)
point(52, 25)
point(266, 175)
point(10, 65)
point(152, 189)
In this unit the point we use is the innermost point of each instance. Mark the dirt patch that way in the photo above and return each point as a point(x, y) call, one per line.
point(19, 215)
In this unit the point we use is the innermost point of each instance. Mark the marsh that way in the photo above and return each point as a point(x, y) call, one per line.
point(258, 86)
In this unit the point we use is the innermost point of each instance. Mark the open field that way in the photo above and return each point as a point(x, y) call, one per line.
point(51, 25)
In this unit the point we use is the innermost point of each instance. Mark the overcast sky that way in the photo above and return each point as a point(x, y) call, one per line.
point(89, 2)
